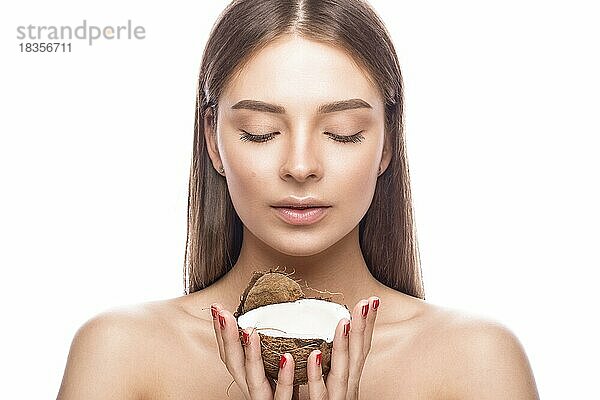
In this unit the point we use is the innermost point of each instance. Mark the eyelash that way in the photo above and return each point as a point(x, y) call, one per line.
point(247, 136)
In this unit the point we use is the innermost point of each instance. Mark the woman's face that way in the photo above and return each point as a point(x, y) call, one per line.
point(290, 92)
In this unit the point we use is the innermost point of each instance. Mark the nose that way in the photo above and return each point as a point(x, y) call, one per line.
point(302, 158)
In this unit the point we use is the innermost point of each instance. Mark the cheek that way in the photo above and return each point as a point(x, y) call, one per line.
point(354, 179)
point(355, 164)
point(248, 174)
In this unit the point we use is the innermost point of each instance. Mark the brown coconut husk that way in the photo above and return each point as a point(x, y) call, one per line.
point(300, 349)
point(272, 287)
point(267, 288)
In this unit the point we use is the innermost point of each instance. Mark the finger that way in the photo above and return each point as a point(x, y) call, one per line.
point(374, 303)
point(356, 341)
point(314, 372)
point(337, 379)
point(214, 309)
point(285, 378)
point(233, 354)
point(258, 384)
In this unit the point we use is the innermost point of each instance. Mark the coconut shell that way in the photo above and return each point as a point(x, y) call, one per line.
point(273, 347)
point(267, 288)
point(273, 287)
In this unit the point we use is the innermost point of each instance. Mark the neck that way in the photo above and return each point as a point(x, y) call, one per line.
point(340, 270)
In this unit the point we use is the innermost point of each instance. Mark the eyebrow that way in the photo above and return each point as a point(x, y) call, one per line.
point(341, 105)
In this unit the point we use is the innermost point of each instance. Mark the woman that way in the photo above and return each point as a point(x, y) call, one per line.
point(299, 105)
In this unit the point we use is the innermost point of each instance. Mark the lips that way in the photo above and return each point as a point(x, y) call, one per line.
point(300, 203)
point(299, 208)
point(301, 216)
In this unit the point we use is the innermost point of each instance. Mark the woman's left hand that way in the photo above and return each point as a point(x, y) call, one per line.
point(348, 357)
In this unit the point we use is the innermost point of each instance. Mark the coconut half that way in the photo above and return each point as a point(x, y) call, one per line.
point(303, 319)
point(288, 322)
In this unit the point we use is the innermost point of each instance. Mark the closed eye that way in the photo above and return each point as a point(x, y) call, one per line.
point(357, 137)
point(247, 136)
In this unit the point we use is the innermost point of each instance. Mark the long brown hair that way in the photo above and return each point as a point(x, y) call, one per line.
point(387, 231)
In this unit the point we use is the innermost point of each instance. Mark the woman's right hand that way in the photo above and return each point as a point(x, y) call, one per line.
point(347, 359)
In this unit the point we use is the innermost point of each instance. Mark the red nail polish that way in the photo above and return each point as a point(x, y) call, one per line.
point(346, 328)
point(282, 361)
point(319, 358)
point(365, 310)
point(245, 338)
point(214, 311)
point(222, 321)
point(375, 304)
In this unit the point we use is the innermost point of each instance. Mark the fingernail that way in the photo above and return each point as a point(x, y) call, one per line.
point(375, 304)
point(319, 358)
point(282, 361)
point(346, 328)
point(214, 311)
point(245, 337)
point(222, 321)
point(365, 310)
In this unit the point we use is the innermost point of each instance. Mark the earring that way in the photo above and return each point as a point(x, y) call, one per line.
point(222, 170)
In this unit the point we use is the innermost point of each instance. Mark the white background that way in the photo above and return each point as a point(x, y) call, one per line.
point(502, 103)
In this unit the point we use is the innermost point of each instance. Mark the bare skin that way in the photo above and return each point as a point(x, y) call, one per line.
point(167, 350)
point(171, 349)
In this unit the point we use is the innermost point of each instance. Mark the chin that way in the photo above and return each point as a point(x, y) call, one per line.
point(296, 250)
point(298, 247)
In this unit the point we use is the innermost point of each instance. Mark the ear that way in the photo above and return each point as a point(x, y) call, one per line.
point(210, 136)
point(386, 154)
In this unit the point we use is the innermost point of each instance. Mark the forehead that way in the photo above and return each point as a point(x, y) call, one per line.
point(298, 74)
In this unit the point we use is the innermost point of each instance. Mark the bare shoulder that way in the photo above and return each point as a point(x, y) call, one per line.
point(107, 351)
point(477, 357)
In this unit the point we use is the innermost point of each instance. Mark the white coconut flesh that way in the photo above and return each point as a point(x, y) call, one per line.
point(304, 319)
